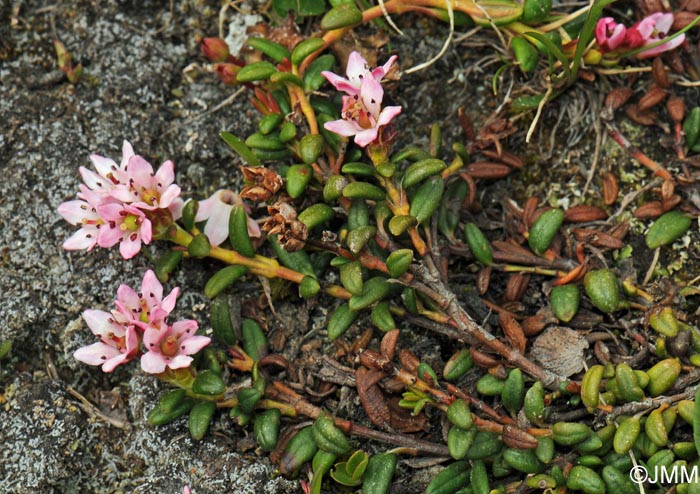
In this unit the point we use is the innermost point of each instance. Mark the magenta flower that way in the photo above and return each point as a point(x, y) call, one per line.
point(652, 29)
point(362, 113)
point(147, 307)
point(609, 34)
point(216, 211)
point(118, 343)
point(126, 225)
point(171, 346)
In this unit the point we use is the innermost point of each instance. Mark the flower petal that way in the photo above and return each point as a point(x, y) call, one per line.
point(129, 247)
point(372, 95)
point(85, 238)
point(193, 344)
point(102, 324)
point(153, 362)
point(151, 289)
point(75, 211)
point(669, 45)
point(166, 174)
point(357, 69)
point(180, 362)
point(341, 83)
point(366, 136)
point(216, 228)
point(388, 114)
point(184, 327)
point(95, 354)
point(343, 127)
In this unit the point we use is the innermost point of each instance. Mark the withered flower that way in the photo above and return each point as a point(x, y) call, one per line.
point(291, 233)
point(264, 183)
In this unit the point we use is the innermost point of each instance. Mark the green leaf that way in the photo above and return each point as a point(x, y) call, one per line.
point(344, 15)
point(257, 71)
point(273, 50)
point(313, 79)
point(241, 148)
point(554, 51)
point(696, 421)
point(299, 7)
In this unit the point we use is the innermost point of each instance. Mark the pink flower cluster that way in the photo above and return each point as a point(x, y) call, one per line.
point(141, 318)
point(122, 203)
point(362, 113)
point(612, 36)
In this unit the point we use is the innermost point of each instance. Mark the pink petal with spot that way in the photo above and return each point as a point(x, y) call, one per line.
point(93, 354)
point(193, 344)
point(85, 238)
point(129, 248)
point(184, 327)
point(372, 95)
point(166, 173)
point(74, 211)
point(101, 323)
point(151, 289)
point(357, 69)
point(109, 236)
point(127, 153)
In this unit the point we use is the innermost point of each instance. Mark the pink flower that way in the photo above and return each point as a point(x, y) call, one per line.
point(609, 34)
point(362, 113)
point(147, 307)
point(650, 30)
point(147, 190)
point(216, 211)
point(124, 224)
point(85, 215)
point(118, 343)
point(129, 196)
point(357, 71)
point(108, 174)
point(171, 346)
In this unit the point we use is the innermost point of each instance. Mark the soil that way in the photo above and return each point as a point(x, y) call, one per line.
point(135, 54)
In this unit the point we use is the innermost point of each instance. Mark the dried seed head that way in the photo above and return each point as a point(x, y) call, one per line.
point(611, 188)
point(676, 108)
point(649, 210)
point(617, 97)
point(690, 6)
point(584, 213)
point(291, 233)
point(647, 118)
point(264, 183)
point(667, 189)
point(516, 286)
point(682, 19)
point(488, 170)
point(514, 437)
point(653, 97)
point(658, 71)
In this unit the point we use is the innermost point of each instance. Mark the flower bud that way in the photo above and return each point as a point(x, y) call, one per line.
point(228, 73)
point(215, 49)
